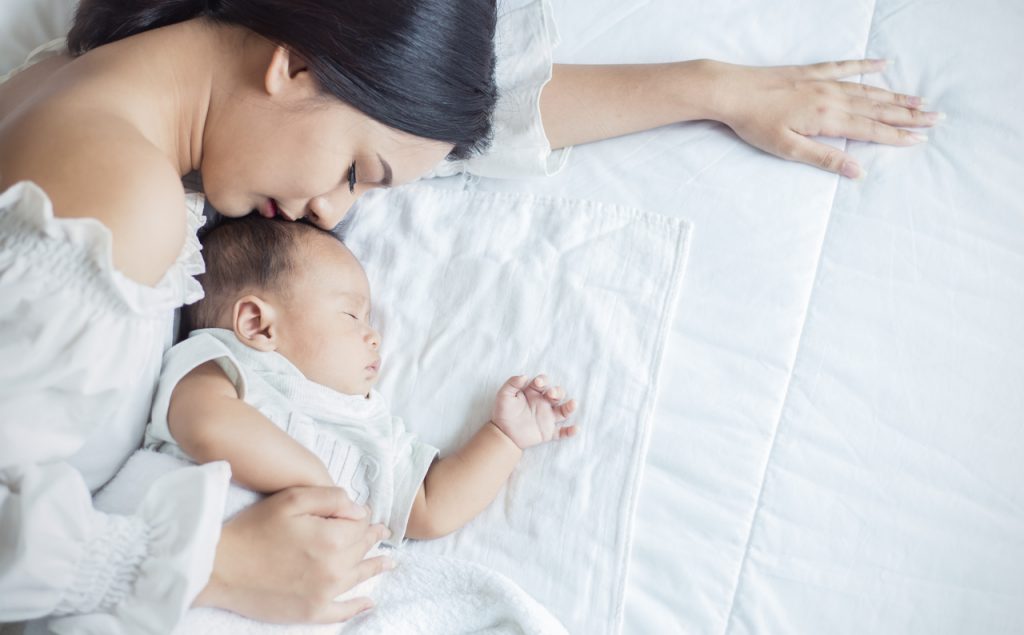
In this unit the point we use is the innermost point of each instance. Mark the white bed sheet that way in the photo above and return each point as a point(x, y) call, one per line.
point(837, 447)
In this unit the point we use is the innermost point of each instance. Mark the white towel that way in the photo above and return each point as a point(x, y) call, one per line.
point(426, 595)
point(470, 288)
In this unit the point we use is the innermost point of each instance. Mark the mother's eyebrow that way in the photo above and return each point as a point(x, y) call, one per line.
point(386, 181)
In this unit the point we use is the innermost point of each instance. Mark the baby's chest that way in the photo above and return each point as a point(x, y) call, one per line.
point(356, 462)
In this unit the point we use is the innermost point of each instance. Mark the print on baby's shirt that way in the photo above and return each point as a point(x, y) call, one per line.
point(348, 466)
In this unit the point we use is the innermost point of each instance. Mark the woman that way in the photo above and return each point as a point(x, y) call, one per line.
point(292, 108)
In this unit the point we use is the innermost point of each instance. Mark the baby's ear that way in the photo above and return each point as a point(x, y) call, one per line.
point(254, 323)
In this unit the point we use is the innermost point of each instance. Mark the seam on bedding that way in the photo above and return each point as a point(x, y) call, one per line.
point(796, 356)
point(641, 450)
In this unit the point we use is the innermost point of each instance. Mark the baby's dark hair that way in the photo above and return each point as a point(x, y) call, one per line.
point(248, 253)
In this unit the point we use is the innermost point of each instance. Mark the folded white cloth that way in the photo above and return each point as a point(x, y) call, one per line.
point(470, 288)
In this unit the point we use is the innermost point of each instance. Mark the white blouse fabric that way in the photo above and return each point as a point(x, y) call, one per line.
point(79, 361)
point(81, 354)
point(523, 42)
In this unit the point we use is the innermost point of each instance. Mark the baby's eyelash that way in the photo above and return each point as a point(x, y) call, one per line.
point(352, 178)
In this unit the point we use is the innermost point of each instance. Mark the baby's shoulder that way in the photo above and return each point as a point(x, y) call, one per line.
point(203, 363)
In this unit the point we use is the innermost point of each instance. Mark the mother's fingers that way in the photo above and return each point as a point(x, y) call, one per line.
point(372, 567)
point(332, 612)
point(328, 502)
point(868, 129)
point(844, 68)
point(875, 93)
point(891, 114)
point(820, 155)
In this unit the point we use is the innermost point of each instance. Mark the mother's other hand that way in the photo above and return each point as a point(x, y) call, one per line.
point(287, 557)
point(777, 108)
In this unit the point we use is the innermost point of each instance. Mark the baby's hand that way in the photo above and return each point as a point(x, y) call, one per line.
point(529, 412)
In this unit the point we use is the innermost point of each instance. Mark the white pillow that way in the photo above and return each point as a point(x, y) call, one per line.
point(27, 24)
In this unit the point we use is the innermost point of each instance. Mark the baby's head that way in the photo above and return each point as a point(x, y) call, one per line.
point(294, 289)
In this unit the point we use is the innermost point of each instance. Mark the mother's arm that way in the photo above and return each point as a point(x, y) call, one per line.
point(774, 108)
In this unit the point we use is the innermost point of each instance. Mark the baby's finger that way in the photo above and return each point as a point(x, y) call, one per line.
point(568, 431)
point(554, 394)
point(539, 383)
point(514, 385)
point(566, 409)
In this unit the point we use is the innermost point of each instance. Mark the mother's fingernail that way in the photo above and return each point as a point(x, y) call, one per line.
point(852, 170)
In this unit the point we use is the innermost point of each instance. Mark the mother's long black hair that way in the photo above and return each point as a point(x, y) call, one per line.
point(425, 67)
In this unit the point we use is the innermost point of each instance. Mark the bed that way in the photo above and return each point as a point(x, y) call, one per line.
point(837, 446)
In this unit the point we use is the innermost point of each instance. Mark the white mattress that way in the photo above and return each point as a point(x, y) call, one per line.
point(839, 443)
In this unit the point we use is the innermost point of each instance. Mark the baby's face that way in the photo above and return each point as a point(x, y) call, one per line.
point(324, 323)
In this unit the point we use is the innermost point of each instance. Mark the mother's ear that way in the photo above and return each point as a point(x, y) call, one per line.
point(286, 73)
point(254, 321)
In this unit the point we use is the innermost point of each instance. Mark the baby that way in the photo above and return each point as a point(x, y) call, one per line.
point(277, 375)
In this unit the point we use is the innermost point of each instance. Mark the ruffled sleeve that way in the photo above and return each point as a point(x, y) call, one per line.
point(139, 574)
point(524, 42)
point(83, 345)
point(189, 264)
point(106, 573)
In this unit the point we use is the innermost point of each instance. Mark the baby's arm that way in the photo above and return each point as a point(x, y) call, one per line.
point(210, 423)
point(460, 486)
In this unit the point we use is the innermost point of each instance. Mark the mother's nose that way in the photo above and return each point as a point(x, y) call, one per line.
point(326, 211)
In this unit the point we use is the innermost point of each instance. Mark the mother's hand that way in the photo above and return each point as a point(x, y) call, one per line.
point(777, 108)
point(287, 557)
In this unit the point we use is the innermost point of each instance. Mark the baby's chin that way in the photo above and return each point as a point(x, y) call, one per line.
point(361, 388)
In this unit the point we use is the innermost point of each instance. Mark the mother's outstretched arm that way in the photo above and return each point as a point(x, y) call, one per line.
point(774, 108)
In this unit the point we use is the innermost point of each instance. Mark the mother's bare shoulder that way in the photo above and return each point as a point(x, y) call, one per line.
point(99, 166)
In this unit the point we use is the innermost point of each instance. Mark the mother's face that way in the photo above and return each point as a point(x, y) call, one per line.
point(287, 151)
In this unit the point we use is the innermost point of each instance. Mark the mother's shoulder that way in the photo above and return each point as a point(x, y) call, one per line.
point(99, 166)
